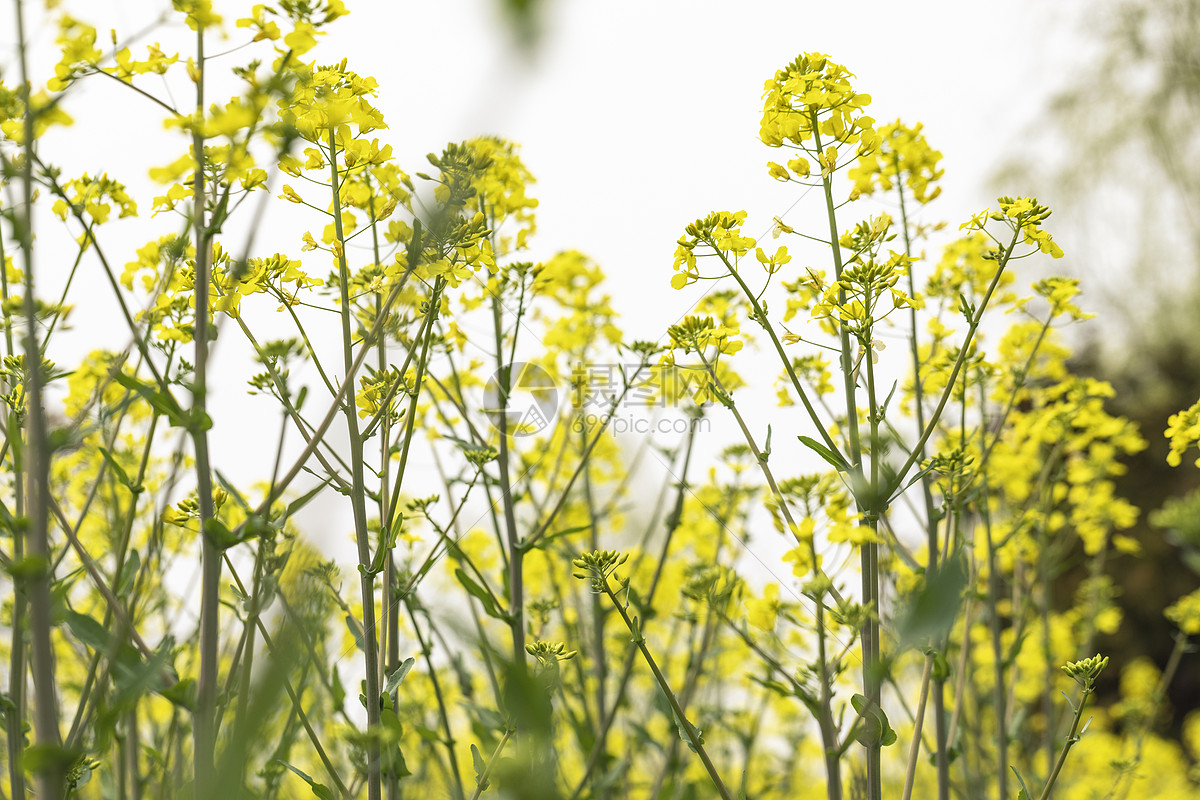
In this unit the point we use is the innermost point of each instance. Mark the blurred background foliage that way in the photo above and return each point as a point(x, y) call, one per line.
point(1117, 154)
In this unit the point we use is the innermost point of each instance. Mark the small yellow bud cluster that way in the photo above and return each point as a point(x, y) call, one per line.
point(550, 652)
point(720, 231)
point(597, 566)
point(1086, 672)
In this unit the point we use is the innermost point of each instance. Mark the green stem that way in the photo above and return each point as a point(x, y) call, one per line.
point(358, 495)
point(544, 526)
point(204, 732)
point(761, 459)
point(1168, 675)
point(688, 729)
point(869, 552)
point(914, 749)
point(443, 715)
point(481, 781)
point(999, 686)
point(1072, 738)
point(760, 315)
point(672, 522)
point(600, 655)
point(516, 553)
point(15, 717)
point(972, 327)
point(931, 524)
point(275, 653)
point(50, 778)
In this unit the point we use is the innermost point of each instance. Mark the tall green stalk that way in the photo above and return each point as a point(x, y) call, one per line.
point(17, 666)
point(516, 553)
point(941, 756)
point(366, 581)
point(204, 729)
point(869, 551)
point(50, 777)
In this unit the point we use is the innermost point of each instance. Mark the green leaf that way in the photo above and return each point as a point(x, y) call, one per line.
point(883, 408)
point(396, 677)
point(135, 677)
point(355, 631)
point(385, 547)
point(1024, 793)
point(49, 758)
point(219, 535)
point(391, 723)
point(30, 567)
point(62, 438)
point(412, 253)
point(932, 612)
point(119, 471)
point(339, 692)
point(766, 451)
point(160, 400)
point(318, 789)
point(875, 728)
point(681, 729)
point(824, 452)
point(129, 573)
point(543, 541)
point(966, 308)
point(182, 694)
point(395, 763)
point(303, 500)
point(482, 595)
point(428, 734)
point(480, 767)
point(918, 475)
point(526, 700)
point(89, 631)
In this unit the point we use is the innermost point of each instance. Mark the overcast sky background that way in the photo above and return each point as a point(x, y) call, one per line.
point(635, 118)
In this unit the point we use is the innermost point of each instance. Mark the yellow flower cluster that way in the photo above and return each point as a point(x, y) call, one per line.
point(46, 112)
point(1185, 612)
point(720, 232)
point(501, 190)
point(95, 198)
point(1183, 430)
point(903, 155)
point(331, 98)
point(967, 267)
point(1024, 216)
point(810, 98)
point(853, 302)
point(233, 281)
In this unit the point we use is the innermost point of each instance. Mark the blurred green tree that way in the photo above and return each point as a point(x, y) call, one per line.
point(1118, 156)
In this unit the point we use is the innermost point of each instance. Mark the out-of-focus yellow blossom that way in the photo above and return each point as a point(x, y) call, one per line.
point(902, 155)
point(1185, 612)
point(762, 612)
point(1183, 430)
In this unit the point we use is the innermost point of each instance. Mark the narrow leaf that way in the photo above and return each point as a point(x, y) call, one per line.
point(824, 452)
point(320, 790)
point(161, 401)
point(396, 677)
point(481, 594)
